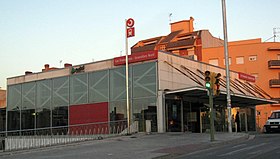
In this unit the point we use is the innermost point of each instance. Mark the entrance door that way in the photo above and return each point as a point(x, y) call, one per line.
point(174, 117)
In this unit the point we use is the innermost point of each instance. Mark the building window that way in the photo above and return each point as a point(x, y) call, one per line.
point(240, 60)
point(278, 57)
point(162, 47)
point(214, 62)
point(229, 61)
point(253, 58)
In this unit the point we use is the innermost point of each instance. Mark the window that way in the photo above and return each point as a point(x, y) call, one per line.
point(278, 57)
point(229, 61)
point(162, 47)
point(253, 58)
point(214, 62)
point(240, 60)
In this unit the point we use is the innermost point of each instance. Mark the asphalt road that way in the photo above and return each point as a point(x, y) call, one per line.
point(263, 146)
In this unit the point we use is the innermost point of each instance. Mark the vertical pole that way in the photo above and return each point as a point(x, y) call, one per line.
point(211, 115)
point(126, 75)
point(182, 116)
point(227, 66)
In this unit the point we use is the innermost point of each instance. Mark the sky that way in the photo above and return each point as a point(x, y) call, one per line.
point(38, 32)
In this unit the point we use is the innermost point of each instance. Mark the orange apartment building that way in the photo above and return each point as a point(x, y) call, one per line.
point(2, 98)
point(2, 109)
point(256, 58)
point(253, 57)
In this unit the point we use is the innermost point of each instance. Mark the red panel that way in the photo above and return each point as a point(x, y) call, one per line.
point(88, 113)
point(136, 57)
point(246, 77)
point(94, 118)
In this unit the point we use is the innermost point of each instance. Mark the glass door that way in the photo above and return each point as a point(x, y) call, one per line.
point(173, 113)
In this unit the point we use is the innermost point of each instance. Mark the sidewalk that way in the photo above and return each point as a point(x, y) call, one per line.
point(138, 146)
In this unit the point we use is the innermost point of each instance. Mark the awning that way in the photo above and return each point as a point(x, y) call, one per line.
point(199, 94)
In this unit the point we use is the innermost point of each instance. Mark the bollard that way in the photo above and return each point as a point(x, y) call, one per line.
point(148, 126)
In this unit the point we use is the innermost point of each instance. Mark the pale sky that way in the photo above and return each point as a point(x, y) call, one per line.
point(38, 32)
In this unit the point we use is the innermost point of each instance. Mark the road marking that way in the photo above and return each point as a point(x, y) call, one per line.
point(243, 149)
point(239, 146)
point(259, 152)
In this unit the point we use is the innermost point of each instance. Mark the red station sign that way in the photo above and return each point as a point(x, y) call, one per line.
point(136, 57)
point(246, 77)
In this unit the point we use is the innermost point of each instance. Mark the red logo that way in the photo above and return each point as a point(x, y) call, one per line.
point(130, 32)
point(130, 22)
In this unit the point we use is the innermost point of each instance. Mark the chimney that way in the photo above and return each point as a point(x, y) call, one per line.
point(67, 65)
point(28, 72)
point(185, 25)
point(47, 67)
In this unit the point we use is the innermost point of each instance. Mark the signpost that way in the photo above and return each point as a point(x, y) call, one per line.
point(129, 32)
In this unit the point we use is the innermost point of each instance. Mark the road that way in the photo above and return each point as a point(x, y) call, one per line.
point(266, 146)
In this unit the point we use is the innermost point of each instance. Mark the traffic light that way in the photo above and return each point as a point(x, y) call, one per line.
point(216, 87)
point(207, 80)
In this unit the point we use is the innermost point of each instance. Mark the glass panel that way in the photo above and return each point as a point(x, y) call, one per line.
point(28, 119)
point(98, 86)
point(118, 110)
point(13, 120)
point(2, 119)
point(118, 84)
point(14, 97)
point(60, 116)
point(60, 91)
point(145, 109)
point(28, 95)
point(173, 110)
point(144, 80)
point(43, 104)
point(60, 104)
point(78, 89)
point(43, 94)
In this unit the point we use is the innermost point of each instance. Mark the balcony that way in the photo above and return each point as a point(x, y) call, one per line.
point(274, 64)
point(274, 83)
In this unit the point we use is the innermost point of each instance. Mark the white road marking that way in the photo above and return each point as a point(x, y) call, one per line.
point(243, 149)
point(239, 146)
point(259, 152)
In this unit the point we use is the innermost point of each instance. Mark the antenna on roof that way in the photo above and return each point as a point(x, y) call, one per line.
point(170, 14)
point(275, 32)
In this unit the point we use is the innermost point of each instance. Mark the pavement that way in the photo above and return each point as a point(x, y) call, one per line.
point(137, 146)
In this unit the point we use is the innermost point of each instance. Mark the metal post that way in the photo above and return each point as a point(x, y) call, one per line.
point(126, 75)
point(212, 128)
point(182, 115)
point(227, 66)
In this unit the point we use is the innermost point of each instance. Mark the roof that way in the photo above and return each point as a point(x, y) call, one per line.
point(181, 43)
point(170, 36)
point(199, 94)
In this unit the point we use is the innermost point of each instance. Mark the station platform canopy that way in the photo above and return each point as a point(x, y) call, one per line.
point(200, 94)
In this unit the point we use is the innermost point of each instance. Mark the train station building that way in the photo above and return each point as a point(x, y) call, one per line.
point(164, 88)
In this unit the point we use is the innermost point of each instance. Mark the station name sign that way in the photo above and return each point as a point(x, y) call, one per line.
point(136, 57)
point(246, 77)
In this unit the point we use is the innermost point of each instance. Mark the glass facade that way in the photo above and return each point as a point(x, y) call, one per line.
point(45, 104)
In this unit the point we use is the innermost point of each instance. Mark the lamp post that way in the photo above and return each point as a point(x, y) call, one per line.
point(227, 66)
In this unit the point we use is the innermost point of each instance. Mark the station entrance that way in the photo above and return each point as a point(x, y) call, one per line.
point(187, 110)
point(192, 117)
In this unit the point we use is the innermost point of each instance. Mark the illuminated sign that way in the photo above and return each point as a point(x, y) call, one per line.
point(246, 77)
point(137, 57)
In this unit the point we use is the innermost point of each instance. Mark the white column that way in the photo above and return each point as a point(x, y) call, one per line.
point(161, 112)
